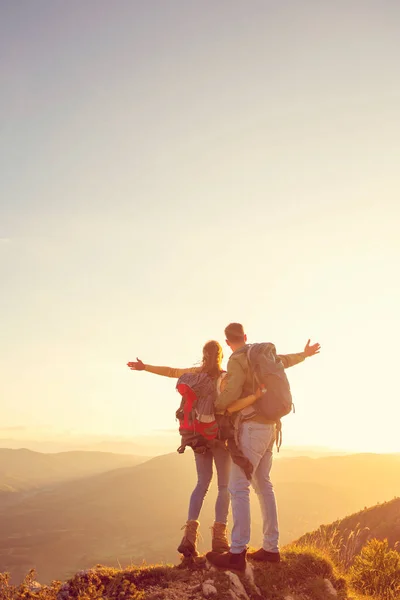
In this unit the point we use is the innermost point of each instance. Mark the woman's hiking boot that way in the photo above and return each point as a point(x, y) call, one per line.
point(187, 547)
point(219, 539)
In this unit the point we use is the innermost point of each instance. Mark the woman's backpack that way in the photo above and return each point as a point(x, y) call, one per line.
point(197, 423)
point(199, 427)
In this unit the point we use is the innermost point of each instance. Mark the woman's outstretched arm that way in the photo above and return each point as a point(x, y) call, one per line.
point(164, 371)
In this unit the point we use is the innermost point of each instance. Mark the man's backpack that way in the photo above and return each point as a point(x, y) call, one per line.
point(269, 375)
point(197, 423)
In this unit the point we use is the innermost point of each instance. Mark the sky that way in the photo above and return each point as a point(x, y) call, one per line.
point(168, 167)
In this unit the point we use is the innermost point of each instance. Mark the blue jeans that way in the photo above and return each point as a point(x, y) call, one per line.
point(204, 466)
point(256, 442)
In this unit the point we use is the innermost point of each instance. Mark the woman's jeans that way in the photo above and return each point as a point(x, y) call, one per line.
point(204, 466)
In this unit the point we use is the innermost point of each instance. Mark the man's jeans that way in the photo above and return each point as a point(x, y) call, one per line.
point(256, 442)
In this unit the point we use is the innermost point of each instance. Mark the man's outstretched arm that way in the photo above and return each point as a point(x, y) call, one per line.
point(289, 360)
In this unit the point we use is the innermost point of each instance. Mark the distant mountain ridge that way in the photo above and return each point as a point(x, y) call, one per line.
point(22, 469)
point(142, 445)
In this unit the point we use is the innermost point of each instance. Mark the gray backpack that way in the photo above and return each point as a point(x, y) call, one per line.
point(269, 375)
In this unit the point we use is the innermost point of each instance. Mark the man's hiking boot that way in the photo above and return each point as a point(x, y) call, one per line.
point(187, 547)
point(265, 556)
point(219, 539)
point(227, 560)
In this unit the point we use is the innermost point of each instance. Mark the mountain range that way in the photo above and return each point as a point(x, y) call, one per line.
point(133, 513)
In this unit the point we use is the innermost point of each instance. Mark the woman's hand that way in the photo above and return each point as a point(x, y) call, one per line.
point(136, 366)
point(244, 402)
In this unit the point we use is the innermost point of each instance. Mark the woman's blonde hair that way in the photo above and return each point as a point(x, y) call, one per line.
point(212, 359)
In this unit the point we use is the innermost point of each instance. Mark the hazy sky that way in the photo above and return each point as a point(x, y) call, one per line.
point(170, 166)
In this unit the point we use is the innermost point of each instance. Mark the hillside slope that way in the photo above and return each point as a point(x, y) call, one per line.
point(346, 537)
point(366, 547)
point(135, 513)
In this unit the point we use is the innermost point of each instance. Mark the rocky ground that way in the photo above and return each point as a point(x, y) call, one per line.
point(301, 575)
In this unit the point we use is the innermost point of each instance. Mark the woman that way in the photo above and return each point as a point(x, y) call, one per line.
point(211, 364)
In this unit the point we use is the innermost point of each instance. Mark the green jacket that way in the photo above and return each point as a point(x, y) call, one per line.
point(239, 379)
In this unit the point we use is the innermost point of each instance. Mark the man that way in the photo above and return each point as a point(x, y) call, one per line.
point(256, 440)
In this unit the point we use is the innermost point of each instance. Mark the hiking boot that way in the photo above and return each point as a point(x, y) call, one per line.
point(227, 560)
point(219, 539)
point(187, 547)
point(265, 556)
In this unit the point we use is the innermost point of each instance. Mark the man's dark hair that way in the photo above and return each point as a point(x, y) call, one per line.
point(234, 332)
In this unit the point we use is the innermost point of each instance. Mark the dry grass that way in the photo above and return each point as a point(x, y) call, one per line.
point(28, 589)
point(341, 547)
point(303, 571)
point(376, 570)
point(370, 566)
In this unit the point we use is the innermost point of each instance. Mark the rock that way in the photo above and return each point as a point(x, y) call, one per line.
point(237, 586)
point(35, 586)
point(329, 588)
point(250, 576)
point(209, 588)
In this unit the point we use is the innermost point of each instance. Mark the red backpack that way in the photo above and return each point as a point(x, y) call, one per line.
point(197, 423)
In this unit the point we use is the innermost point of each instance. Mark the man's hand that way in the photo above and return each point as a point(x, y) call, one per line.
point(311, 350)
point(136, 366)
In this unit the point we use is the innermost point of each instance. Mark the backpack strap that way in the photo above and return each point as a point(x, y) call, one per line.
point(255, 376)
point(248, 357)
point(249, 412)
point(278, 434)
